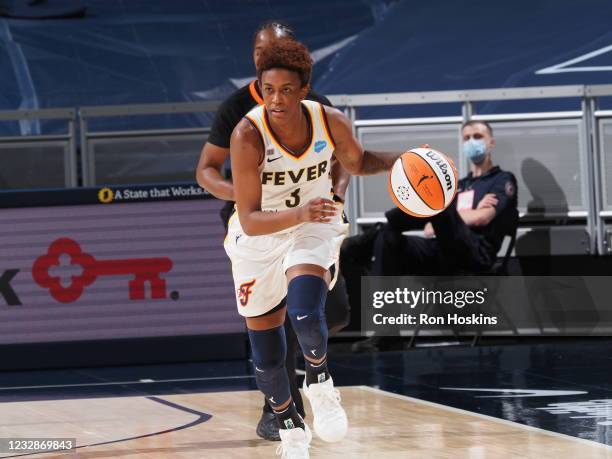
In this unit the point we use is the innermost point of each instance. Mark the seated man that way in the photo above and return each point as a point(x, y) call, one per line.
point(468, 234)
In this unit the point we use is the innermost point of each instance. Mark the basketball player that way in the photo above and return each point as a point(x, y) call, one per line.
point(286, 234)
point(209, 176)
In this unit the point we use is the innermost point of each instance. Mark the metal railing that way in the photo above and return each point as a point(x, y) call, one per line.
point(88, 168)
point(589, 123)
point(591, 151)
point(67, 140)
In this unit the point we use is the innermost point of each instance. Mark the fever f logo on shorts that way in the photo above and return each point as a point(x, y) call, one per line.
point(244, 292)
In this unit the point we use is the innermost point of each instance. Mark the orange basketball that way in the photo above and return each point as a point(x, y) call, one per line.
point(423, 182)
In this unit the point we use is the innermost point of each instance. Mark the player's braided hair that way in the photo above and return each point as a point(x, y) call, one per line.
point(286, 54)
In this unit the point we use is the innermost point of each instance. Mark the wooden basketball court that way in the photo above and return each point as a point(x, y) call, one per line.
point(222, 425)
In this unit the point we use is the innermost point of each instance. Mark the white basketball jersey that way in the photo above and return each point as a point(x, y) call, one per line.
point(287, 179)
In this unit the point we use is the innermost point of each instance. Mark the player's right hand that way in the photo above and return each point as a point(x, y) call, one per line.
point(319, 210)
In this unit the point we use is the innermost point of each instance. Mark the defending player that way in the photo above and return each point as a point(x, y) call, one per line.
point(288, 234)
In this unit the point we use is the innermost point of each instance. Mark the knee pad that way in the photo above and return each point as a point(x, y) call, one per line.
point(306, 297)
point(269, 349)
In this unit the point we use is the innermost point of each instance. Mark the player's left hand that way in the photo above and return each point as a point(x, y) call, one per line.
point(318, 210)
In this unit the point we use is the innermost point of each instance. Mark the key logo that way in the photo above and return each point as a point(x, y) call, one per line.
point(244, 292)
point(319, 145)
point(142, 270)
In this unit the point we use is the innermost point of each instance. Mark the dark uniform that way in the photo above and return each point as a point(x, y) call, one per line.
point(457, 247)
point(337, 308)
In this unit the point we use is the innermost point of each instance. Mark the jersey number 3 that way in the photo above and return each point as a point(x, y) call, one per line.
point(295, 201)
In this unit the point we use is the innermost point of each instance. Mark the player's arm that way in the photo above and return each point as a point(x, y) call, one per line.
point(340, 178)
point(208, 172)
point(353, 157)
point(246, 151)
point(216, 151)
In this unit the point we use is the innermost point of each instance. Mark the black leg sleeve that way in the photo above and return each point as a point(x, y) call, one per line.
point(290, 364)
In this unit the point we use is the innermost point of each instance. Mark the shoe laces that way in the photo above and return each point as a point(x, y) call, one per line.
point(329, 399)
point(292, 449)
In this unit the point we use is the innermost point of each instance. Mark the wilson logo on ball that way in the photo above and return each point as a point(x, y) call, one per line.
point(442, 162)
point(423, 182)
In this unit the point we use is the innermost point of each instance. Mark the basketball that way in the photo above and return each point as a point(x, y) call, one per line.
point(423, 182)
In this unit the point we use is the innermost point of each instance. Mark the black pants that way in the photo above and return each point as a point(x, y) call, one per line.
point(456, 248)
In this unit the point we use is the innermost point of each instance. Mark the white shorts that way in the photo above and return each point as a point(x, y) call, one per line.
point(259, 263)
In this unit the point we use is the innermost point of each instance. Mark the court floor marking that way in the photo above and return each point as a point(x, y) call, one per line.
point(485, 416)
point(202, 417)
point(118, 383)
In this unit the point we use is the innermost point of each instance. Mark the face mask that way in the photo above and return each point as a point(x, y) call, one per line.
point(475, 150)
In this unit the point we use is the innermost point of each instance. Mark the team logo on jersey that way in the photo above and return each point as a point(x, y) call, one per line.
point(244, 292)
point(288, 177)
point(319, 145)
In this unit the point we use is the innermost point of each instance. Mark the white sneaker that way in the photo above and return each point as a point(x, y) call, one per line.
point(294, 443)
point(330, 422)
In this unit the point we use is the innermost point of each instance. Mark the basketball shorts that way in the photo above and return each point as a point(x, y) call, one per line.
point(259, 263)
